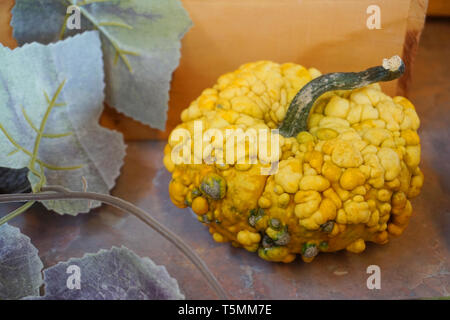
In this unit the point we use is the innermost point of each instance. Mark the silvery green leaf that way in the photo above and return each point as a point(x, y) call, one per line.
point(140, 41)
point(51, 98)
point(115, 274)
point(20, 265)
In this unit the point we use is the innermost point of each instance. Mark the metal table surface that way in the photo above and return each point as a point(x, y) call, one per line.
point(412, 266)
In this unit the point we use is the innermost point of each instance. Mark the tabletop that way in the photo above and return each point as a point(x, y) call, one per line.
point(414, 265)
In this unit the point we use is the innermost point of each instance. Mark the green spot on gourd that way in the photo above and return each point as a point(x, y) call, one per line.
point(214, 186)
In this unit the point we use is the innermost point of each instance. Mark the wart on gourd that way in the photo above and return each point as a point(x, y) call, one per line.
point(348, 163)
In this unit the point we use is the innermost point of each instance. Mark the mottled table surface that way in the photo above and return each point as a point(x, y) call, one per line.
point(413, 265)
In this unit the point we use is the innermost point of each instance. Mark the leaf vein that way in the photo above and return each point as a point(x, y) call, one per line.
point(119, 52)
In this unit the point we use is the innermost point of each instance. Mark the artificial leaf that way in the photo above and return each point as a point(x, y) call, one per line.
point(115, 274)
point(13, 180)
point(51, 98)
point(140, 41)
point(20, 265)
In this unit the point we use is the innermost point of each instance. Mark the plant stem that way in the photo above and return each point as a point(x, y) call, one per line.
point(296, 119)
point(16, 212)
point(60, 193)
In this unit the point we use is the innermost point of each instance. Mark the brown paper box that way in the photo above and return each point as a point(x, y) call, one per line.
point(330, 35)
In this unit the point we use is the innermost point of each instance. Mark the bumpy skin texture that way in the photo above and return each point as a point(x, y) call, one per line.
point(347, 180)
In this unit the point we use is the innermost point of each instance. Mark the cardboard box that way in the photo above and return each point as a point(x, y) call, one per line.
point(439, 8)
point(328, 35)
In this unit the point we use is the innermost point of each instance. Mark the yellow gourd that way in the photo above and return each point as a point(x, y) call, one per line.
point(348, 161)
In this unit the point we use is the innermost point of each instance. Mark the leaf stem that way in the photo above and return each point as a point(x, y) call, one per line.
point(60, 193)
point(115, 24)
point(86, 2)
point(16, 212)
point(28, 153)
point(63, 27)
point(45, 135)
point(43, 124)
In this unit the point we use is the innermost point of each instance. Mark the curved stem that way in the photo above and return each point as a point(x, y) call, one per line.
point(60, 193)
point(296, 119)
point(16, 212)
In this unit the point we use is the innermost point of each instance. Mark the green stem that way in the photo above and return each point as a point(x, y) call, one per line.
point(16, 212)
point(296, 119)
point(37, 142)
